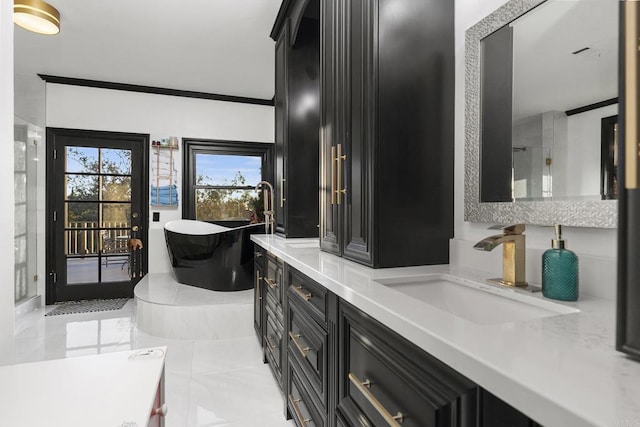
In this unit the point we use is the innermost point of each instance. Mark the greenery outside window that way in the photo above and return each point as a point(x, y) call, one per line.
point(220, 179)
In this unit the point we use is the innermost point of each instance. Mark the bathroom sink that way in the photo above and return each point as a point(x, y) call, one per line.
point(476, 302)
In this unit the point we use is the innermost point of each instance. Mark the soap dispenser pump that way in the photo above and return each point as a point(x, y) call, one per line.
point(559, 270)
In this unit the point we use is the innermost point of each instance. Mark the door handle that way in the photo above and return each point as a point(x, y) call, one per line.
point(135, 228)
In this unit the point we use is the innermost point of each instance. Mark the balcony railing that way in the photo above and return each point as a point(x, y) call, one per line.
point(91, 238)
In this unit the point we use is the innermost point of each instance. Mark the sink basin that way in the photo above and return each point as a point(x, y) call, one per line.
point(476, 302)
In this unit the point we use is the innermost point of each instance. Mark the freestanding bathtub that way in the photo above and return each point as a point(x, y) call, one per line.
point(211, 256)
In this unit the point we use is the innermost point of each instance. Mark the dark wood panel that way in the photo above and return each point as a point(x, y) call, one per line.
point(496, 112)
point(330, 221)
point(281, 124)
point(496, 413)
point(414, 156)
point(302, 147)
point(361, 74)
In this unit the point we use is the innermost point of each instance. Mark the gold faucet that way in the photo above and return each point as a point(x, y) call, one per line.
point(513, 254)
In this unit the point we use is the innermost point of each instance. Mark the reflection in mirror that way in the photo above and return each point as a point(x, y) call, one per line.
point(540, 78)
point(548, 80)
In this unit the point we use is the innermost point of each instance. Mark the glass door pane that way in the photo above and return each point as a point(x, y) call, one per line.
point(97, 214)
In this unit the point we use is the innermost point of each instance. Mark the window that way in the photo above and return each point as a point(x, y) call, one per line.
point(220, 179)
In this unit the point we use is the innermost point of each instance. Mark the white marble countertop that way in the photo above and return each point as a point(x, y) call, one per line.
point(561, 370)
point(111, 390)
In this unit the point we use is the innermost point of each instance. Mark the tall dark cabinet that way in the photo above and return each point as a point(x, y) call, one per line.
point(386, 119)
point(628, 310)
point(297, 92)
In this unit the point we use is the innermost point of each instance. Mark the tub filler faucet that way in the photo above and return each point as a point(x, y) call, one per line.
point(269, 213)
point(513, 254)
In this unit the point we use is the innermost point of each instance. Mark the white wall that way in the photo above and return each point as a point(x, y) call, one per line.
point(6, 176)
point(160, 116)
point(596, 247)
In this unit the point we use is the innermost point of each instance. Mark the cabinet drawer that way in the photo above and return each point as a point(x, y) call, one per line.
point(300, 405)
point(273, 277)
point(259, 255)
point(307, 344)
point(273, 344)
point(311, 295)
point(275, 307)
point(387, 380)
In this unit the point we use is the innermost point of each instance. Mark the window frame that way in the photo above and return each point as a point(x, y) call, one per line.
point(193, 146)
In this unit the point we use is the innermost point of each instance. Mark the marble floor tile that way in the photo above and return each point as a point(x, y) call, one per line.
point(217, 356)
point(208, 382)
point(217, 399)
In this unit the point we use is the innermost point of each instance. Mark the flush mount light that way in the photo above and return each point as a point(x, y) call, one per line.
point(37, 16)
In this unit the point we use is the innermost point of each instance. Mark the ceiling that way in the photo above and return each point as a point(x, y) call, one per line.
point(214, 46)
point(548, 76)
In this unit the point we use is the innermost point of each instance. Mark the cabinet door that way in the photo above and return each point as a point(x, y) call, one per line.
point(382, 377)
point(258, 303)
point(329, 218)
point(360, 72)
point(281, 126)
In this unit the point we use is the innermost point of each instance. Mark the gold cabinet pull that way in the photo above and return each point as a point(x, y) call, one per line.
point(339, 162)
point(632, 110)
point(333, 175)
point(272, 284)
point(271, 345)
point(304, 296)
point(258, 254)
point(294, 403)
point(282, 199)
point(303, 350)
point(363, 387)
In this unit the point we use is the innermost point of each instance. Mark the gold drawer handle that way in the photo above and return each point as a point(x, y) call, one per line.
point(272, 284)
point(269, 343)
point(392, 420)
point(296, 409)
point(303, 350)
point(298, 290)
point(333, 175)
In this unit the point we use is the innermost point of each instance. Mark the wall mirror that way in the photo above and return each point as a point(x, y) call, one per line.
point(541, 114)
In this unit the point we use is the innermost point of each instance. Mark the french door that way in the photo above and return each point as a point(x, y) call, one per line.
point(97, 206)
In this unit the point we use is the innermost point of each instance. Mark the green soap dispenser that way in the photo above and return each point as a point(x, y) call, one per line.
point(559, 270)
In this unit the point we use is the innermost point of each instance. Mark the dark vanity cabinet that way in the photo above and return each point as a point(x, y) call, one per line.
point(273, 316)
point(297, 118)
point(386, 116)
point(339, 367)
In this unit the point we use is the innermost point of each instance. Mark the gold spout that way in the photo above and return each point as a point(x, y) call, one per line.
point(513, 254)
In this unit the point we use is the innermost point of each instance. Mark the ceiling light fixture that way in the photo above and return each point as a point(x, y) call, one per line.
point(37, 16)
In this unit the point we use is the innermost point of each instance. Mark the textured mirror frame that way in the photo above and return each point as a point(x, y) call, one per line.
point(586, 213)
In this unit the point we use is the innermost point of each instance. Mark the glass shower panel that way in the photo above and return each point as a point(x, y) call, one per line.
point(532, 177)
point(26, 139)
